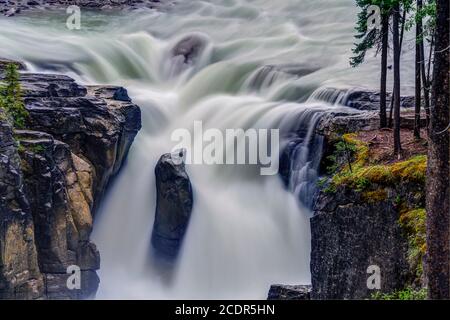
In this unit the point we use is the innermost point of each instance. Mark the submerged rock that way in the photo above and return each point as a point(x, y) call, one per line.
point(189, 48)
point(267, 75)
point(185, 54)
point(286, 292)
point(173, 204)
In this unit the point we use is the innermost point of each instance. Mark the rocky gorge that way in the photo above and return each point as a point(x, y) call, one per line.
point(53, 175)
point(55, 172)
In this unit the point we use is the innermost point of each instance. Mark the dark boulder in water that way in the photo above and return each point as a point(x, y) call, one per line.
point(189, 48)
point(173, 204)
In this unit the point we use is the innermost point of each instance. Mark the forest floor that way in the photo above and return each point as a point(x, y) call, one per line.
point(381, 144)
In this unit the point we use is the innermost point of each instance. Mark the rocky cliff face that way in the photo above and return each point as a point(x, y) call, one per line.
point(348, 236)
point(52, 177)
point(20, 276)
point(369, 215)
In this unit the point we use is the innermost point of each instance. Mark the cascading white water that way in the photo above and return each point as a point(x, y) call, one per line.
point(262, 61)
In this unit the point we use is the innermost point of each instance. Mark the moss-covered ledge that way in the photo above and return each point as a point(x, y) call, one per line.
point(365, 186)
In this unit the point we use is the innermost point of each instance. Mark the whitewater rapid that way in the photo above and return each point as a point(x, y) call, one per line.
point(247, 231)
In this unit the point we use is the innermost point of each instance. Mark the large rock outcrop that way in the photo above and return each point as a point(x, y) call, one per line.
point(173, 204)
point(98, 123)
point(53, 174)
point(348, 235)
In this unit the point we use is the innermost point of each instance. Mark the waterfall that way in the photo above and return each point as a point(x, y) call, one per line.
point(256, 64)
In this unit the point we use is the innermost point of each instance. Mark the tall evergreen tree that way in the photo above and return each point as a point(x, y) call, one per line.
point(11, 96)
point(370, 38)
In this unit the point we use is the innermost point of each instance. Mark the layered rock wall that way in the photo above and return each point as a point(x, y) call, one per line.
point(52, 177)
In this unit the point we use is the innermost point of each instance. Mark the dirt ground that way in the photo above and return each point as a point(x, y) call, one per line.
point(381, 144)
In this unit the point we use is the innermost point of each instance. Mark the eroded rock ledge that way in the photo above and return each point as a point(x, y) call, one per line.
point(52, 177)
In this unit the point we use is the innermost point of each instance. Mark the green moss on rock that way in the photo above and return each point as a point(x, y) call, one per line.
point(375, 196)
point(361, 174)
point(413, 223)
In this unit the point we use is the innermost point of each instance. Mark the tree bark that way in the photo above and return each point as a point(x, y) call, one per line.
point(396, 93)
point(426, 79)
point(437, 189)
point(419, 64)
point(401, 45)
point(384, 53)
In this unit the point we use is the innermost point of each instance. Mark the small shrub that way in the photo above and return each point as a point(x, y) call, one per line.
point(361, 174)
point(11, 97)
point(405, 294)
point(342, 149)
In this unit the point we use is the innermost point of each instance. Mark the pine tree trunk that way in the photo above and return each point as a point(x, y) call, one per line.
point(438, 215)
point(384, 53)
point(419, 63)
point(401, 45)
point(396, 93)
point(426, 79)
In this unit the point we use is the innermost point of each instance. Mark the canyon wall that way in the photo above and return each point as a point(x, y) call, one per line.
point(53, 174)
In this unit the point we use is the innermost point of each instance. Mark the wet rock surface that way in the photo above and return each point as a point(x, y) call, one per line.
point(287, 292)
point(52, 176)
point(370, 100)
point(348, 235)
point(20, 276)
point(98, 123)
point(174, 204)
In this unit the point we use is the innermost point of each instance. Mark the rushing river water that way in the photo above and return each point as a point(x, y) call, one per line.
point(247, 231)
